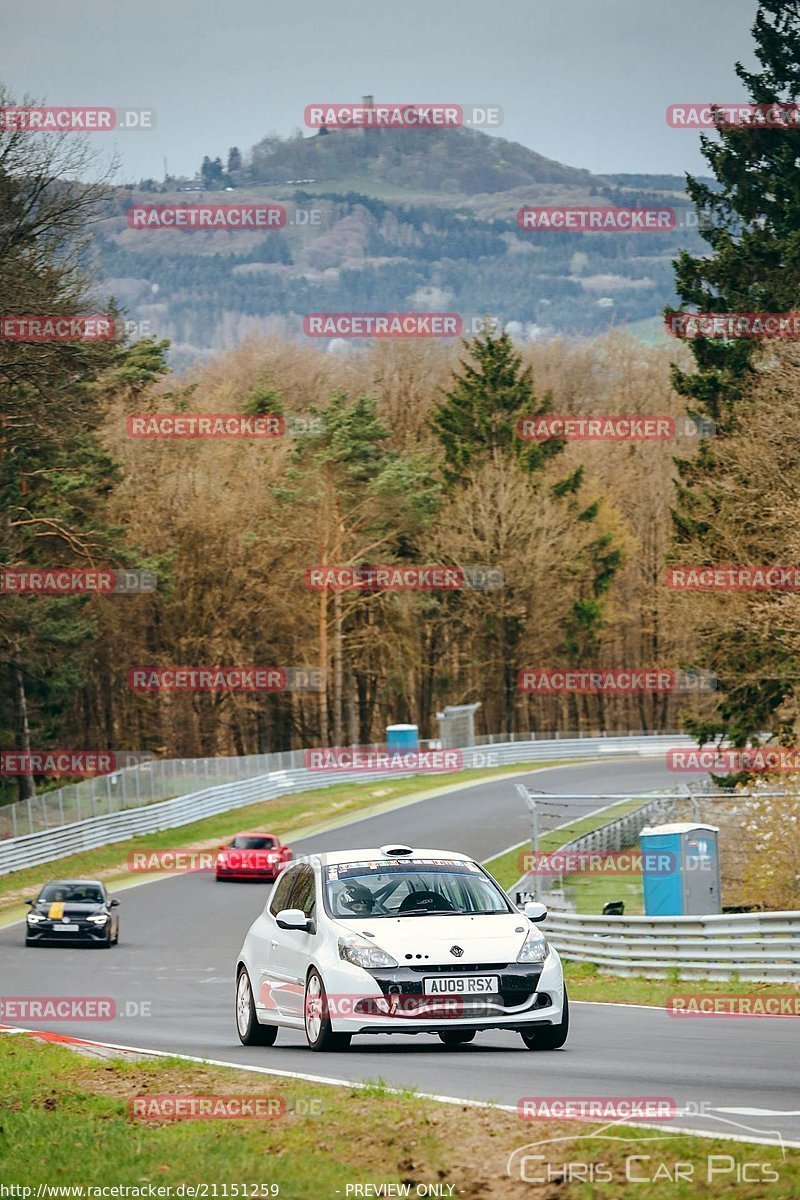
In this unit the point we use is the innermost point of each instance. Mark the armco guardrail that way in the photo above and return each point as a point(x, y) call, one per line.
point(754, 946)
point(623, 831)
point(164, 778)
point(49, 844)
point(619, 834)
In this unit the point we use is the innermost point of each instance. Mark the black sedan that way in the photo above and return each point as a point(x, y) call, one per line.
point(73, 910)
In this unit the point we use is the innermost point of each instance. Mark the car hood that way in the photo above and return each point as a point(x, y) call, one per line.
point(494, 938)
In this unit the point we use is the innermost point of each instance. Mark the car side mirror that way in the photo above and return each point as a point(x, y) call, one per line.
point(294, 918)
point(536, 912)
point(113, 904)
point(30, 901)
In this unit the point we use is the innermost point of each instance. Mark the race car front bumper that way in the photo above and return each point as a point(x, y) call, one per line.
point(395, 1000)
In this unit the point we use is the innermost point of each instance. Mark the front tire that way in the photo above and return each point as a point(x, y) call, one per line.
point(550, 1037)
point(457, 1037)
point(319, 1033)
point(251, 1033)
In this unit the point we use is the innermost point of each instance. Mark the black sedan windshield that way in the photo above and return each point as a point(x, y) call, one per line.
point(72, 893)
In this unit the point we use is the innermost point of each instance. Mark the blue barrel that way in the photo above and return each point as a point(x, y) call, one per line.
point(402, 737)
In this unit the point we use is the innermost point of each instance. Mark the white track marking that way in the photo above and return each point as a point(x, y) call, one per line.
point(364, 1084)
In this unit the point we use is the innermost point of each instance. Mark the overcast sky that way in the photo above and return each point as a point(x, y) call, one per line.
point(582, 81)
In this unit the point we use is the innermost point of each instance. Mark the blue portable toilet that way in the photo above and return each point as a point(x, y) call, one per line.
point(680, 870)
point(402, 737)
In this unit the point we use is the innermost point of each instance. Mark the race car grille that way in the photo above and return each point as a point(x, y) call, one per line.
point(459, 968)
point(518, 984)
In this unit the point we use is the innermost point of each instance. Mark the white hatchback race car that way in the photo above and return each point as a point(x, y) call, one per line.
point(397, 940)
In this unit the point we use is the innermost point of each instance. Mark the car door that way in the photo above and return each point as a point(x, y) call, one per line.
point(262, 937)
point(291, 948)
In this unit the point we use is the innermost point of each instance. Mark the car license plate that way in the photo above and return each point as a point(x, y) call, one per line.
point(65, 928)
point(462, 985)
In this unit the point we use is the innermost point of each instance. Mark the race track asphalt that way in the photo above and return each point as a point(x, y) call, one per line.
point(180, 937)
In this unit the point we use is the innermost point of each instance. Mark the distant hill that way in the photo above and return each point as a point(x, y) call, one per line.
point(391, 221)
point(452, 161)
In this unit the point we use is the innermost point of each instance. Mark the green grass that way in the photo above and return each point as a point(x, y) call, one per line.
point(507, 867)
point(587, 981)
point(591, 891)
point(65, 1121)
point(292, 815)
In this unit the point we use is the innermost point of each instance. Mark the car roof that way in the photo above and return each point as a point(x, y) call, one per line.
point(255, 833)
point(375, 854)
point(69, 882)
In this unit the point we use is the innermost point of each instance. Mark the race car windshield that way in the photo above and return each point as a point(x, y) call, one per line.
point(253, 843)
point(72, 893)
point(412, 888)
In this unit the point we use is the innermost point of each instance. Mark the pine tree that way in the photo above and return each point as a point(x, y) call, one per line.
point(476, 424)
point(478, 417)
point(751, 221)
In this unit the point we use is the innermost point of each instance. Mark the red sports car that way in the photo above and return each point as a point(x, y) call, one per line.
point(252, 856)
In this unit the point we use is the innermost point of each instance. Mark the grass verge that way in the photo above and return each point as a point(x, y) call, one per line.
point(65, 1122)
point(587, 981)
point(507, 867)
point(298, 814)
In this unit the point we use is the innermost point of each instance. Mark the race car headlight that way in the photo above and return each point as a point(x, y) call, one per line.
point(534, 948)
point(99, 918)
point(361, 953)
point(36, 918)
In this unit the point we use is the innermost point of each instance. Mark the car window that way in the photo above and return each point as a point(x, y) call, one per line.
point(282, 890)
point(253, 843)
point(72, 893)
point(303, 893)
point(410, 887)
